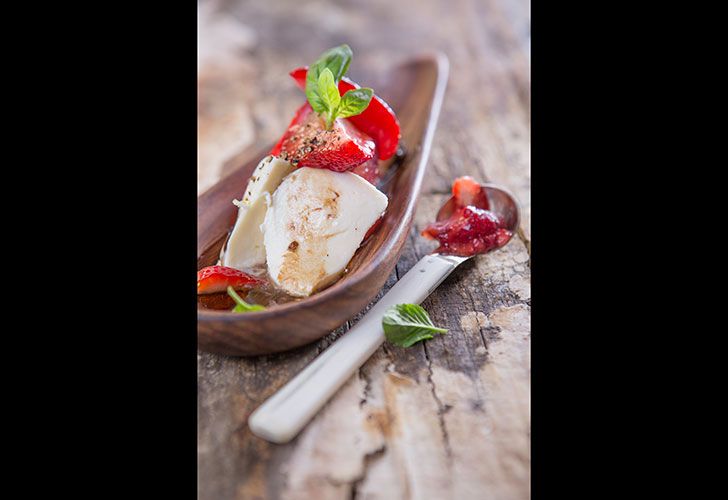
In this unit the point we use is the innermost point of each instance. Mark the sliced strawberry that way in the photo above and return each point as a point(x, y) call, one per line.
point(307, 143)
point(215, 279)
point(467, 191)
point(377, 121)
point(301, 112)
point(369, 170)
point(299, 75)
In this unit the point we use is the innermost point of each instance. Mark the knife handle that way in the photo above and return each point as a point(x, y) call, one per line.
point(282, 416)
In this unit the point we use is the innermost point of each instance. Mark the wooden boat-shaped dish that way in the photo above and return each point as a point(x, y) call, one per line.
point(415, 91)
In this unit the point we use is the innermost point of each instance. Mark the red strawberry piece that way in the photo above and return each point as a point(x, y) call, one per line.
point(307, 143)
point(301, 112)
point(369, 170)
point(468, 192)
point(213, 279)
point(378, 121)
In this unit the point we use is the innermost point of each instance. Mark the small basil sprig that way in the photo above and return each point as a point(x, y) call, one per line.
point(337, 60)
point(406, 324)
point(242, 306)
point(322, 91)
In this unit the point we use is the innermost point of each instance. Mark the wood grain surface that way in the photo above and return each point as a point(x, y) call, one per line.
point(446, 419)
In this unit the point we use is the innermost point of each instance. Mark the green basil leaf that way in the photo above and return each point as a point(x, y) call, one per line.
point(406, 324)
point(354, 102)
point(314, 98)
point(328, 91)
point(337, 61)
point(242, 306)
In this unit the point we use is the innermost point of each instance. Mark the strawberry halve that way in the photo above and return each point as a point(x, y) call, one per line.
point(215, 279)
point(307, 143)
point(378, 120)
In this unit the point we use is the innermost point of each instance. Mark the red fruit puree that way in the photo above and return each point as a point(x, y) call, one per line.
point(471, 228)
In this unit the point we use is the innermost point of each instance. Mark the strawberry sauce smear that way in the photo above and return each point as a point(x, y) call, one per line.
point(471, 228)
point(468, 231)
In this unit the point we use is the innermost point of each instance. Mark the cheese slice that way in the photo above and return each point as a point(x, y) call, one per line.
point(244, 249)
point(316, 221)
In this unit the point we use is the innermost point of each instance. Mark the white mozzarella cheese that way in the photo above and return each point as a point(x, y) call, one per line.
point(244, 249)
point(316, 221)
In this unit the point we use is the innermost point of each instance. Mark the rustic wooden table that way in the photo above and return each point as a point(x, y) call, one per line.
point(447, 419)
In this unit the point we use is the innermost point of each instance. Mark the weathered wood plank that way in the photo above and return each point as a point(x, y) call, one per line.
point(427, 401)
point(446, 419)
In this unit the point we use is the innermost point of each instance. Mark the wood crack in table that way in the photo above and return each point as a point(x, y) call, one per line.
point(449, 418)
